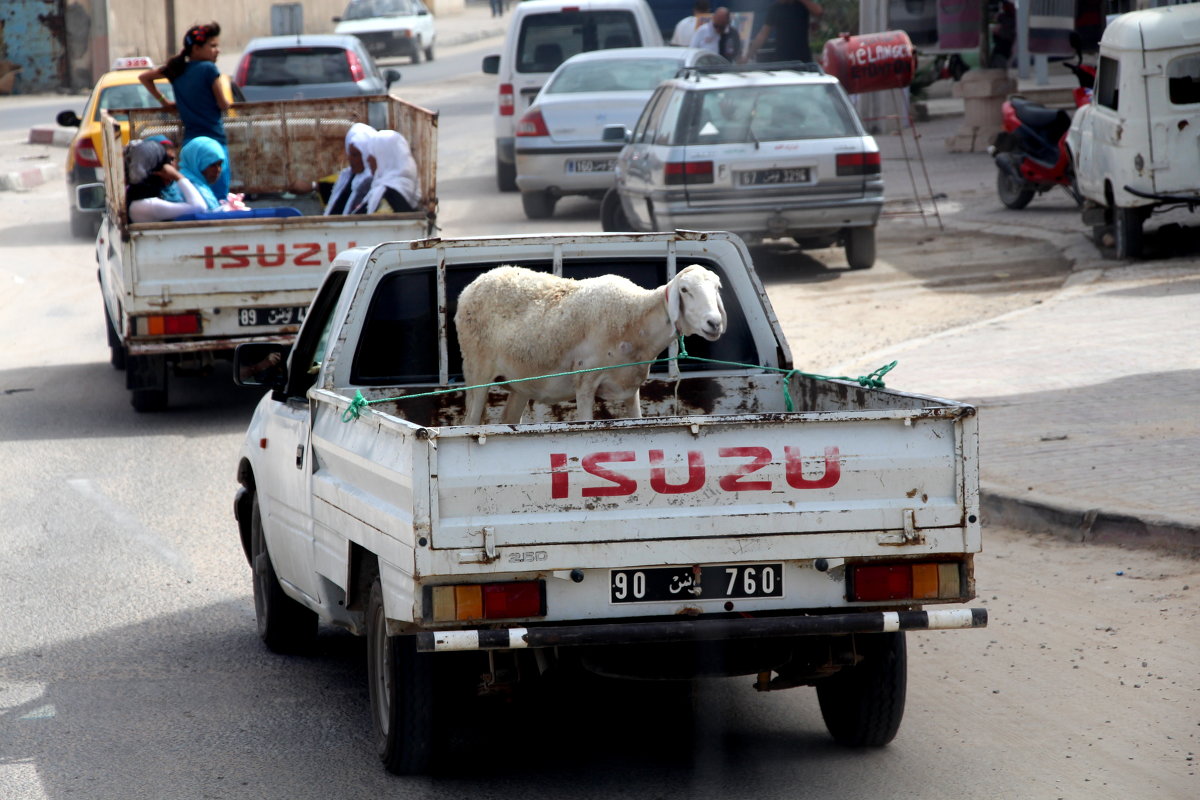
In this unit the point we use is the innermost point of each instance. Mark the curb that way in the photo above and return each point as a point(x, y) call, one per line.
point(51, 134)
point(26, 179)
point(466, 37)
point(1091, 526)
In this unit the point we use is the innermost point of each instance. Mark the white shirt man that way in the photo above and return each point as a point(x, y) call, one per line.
point(719, 36)
point(686, 27)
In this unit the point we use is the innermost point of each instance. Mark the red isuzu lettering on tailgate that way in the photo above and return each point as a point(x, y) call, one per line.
point(733, 470)
point(302, 254)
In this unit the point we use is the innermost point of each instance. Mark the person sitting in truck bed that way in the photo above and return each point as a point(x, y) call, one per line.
point(352, 183)
point(151, 173)
point(394, 186)
point(201, 161)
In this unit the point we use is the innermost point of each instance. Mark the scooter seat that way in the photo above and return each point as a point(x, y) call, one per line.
point(1035, 115)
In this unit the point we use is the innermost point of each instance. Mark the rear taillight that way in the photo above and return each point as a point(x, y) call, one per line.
point(243, 70)
point(907, 581)
point(168, 324)
point(858, 164)
point(356, 67)
point(506, 100)
point(85, 154)
point(488, 601)
point(680, 173)
point(532, 124)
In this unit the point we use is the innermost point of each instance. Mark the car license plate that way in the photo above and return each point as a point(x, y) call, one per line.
point(591, 164)
point(725, 581)
point(285, 315)
point(768, 177)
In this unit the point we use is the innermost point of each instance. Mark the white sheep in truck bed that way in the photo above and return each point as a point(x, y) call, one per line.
point(517, 323)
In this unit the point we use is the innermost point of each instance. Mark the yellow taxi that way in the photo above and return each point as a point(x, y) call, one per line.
point(117, 89)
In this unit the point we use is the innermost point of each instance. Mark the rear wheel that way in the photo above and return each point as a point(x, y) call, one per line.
point(84, 226)
point(116, 350)
point(1014, 193)
point(612, 213)
point(506, 176)
point(864, 704)
point(401, 688)
point(538, 205)
point(416, 53)
point(860, 247)
point(429, 53)
point(284, 625)
point(1127, 229)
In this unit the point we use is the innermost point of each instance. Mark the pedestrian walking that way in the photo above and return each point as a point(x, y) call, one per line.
point(789, 21)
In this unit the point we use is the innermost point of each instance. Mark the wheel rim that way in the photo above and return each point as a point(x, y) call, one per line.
point(383, 672)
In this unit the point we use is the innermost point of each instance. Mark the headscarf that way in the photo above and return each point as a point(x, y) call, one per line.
point(194, 157)
point(360, 183)
point(171, 190)
point(142, 159)
point(394, 168)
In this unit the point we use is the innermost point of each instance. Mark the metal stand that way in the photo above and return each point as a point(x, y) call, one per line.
point(904, 128)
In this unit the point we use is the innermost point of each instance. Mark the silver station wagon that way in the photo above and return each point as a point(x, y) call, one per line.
point(764, 152)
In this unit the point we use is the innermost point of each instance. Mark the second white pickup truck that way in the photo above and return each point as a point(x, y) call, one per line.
point(179, 294)
point(756, 520)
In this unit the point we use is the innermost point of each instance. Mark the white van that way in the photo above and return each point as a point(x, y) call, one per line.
point(541, 35)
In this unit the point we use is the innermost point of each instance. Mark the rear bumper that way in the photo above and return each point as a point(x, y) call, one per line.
point(763, 220)
point(546, 170)
point(702, 630)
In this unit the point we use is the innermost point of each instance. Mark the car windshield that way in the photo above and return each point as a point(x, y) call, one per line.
point(298, 65)
point(366, 9)
point(131, 95)
point(766, 114)
point(548, 40)
point(613, 75)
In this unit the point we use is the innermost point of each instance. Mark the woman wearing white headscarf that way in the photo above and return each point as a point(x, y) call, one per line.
point(394, 186)
point(353, 181)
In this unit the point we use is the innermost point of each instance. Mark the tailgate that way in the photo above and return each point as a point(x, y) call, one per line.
point(706, 477)
point(176, 262)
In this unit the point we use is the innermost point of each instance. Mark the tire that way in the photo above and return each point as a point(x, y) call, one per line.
point(84, 226)
point(860, 247)
point(429, 53)
point(116, 351)
point(1013, 193)
point(416, 53)
point(612, 213)
point(401, 687)
point(863, 705)
point(1127, 230)
point(284, 625)
point(148, 400)
point(538, 205)
point(506, 176)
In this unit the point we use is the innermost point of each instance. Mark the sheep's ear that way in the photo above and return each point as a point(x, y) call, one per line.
point(674, 300)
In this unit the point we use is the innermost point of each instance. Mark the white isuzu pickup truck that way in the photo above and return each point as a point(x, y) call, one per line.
point(756, 521)
point(179, 294)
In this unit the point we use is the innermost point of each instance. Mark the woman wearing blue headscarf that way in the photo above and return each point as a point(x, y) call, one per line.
point(201, 161)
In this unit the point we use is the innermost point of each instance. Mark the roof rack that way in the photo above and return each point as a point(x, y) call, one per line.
point(770, 66)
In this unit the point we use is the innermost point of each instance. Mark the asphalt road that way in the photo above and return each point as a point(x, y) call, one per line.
point(129, 666)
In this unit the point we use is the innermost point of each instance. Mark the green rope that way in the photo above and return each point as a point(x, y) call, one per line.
point(873, 380)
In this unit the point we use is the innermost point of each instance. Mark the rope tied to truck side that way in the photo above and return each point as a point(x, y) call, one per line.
point(873, 380)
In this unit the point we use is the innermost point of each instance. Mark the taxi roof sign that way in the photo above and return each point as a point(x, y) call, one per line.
point(134, 62)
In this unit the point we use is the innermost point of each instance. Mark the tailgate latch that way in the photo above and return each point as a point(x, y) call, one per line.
point(910, 535)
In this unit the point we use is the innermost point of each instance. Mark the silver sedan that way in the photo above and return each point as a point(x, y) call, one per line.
point(559, 141)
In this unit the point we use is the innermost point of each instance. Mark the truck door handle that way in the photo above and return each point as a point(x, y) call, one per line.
point(299, 456)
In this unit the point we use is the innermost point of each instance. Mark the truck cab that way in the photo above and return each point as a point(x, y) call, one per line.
point(1136, 147)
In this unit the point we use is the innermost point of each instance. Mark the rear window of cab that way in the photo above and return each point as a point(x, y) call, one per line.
point(547, 40)
point(130, 95)
point(297, 65)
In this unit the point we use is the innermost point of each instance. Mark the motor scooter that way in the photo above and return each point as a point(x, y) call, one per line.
point(1031, 152)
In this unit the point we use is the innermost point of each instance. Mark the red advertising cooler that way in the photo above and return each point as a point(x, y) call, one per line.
point(871, 62)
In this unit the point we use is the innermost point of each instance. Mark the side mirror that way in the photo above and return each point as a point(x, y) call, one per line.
point(261, 364)
point(337, 20)
point(68, 119)
point(90, 197)
point(391, 76)
point(616, 133)
point(491, 64)
point(422, 12)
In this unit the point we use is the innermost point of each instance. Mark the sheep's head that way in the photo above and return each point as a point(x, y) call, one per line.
point(694, 303)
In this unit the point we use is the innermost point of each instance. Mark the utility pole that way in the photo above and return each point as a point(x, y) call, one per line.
point(872, 18)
